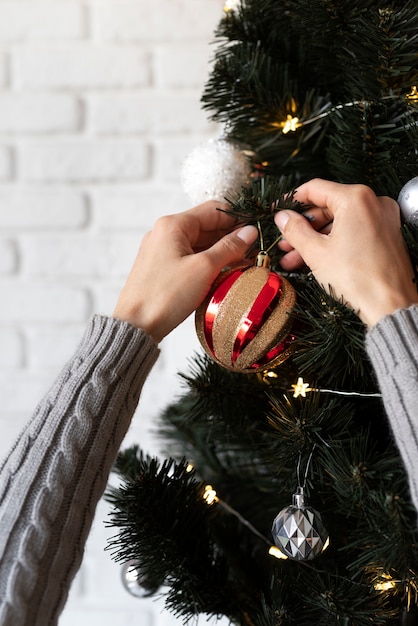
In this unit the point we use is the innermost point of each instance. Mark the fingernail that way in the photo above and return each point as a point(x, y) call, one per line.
point(310, 218)
point(248, 234)
point(281, 219)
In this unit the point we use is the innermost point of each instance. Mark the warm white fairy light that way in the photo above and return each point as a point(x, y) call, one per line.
point(301, 388)
point(291, 124)
point(385, 583)
point(326, 544)
point(209, 495)
point(274, 551)
point(413, 95)
point(230, 5)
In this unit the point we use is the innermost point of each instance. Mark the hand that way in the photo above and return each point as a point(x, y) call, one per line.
point(359, 252)
point(176, 264)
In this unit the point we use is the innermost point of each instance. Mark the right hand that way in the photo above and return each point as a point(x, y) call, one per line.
point(360, 254)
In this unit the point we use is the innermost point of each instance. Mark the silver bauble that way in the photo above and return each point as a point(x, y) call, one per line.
point(298, 531)
point(135, 582)
point(215, 170)
point(408, 201)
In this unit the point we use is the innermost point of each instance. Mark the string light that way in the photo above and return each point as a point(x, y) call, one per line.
point(301, 388)
point(326, 544)
point(274, 551)
point(385, 583)
point(291, 124)
point(413, 95)
point(209, 495)
point(230, 5)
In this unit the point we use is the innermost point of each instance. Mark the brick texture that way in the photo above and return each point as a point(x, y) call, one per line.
point(99, 105)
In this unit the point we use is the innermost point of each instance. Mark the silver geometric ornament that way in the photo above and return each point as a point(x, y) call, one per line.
point(298, 530)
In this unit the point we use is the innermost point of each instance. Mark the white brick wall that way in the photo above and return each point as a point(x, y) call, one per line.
point(99, 105)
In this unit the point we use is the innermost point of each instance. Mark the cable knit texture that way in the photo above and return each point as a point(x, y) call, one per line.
point(58, 469)
point(392, 346)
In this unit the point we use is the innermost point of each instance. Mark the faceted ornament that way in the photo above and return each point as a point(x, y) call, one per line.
point(298, 531)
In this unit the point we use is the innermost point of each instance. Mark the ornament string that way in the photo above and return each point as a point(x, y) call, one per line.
point(308, 463)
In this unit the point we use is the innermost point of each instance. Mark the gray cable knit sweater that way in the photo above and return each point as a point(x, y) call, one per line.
point(58, 469)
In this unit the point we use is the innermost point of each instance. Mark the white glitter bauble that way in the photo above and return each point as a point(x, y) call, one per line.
point(408, 201)
point(215, 170)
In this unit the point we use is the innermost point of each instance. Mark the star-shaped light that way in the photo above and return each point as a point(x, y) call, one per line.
point(301, 388)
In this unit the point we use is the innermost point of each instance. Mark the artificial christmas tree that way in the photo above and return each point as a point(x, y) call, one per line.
point(262, 462)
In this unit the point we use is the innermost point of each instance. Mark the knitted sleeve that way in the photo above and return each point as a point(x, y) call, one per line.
point(58, 469)
point(392, 346)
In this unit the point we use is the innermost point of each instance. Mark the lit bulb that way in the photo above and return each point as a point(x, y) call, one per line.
point(274, 551)
point(386, 583)
point(209, 495)
point(413, 96)
point(291, 124)
point(230, 5)
point(301, 388)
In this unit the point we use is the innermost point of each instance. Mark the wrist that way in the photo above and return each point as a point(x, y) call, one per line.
point(387, 305)
point(137, 317)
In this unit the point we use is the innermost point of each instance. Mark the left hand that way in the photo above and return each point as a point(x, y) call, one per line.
point(176, 264)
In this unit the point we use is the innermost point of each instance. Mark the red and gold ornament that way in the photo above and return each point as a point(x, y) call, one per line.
point(245, 321)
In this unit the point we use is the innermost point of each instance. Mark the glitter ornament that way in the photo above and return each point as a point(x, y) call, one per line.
point(245, 321)
point(408, 201)
point(298, 530)
point(214, 171)
point(135, 582)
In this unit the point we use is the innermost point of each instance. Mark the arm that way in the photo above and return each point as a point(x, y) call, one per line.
point(392, 347)
point(353, 244)
point(57, 471)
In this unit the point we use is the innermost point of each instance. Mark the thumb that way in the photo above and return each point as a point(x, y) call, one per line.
point(232, 247)
point(296, 229)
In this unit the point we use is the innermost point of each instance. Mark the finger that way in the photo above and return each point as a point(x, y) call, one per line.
point(208, 217)
point(324, 229)
point(323, 194)
point(231, 247)
point(299, 233)
point(318, 217)
point(292, 261)
point(285, 246)
point(195, 229)
point(390, 205)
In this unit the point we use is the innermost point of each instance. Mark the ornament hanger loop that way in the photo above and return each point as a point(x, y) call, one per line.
point(301, 486)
